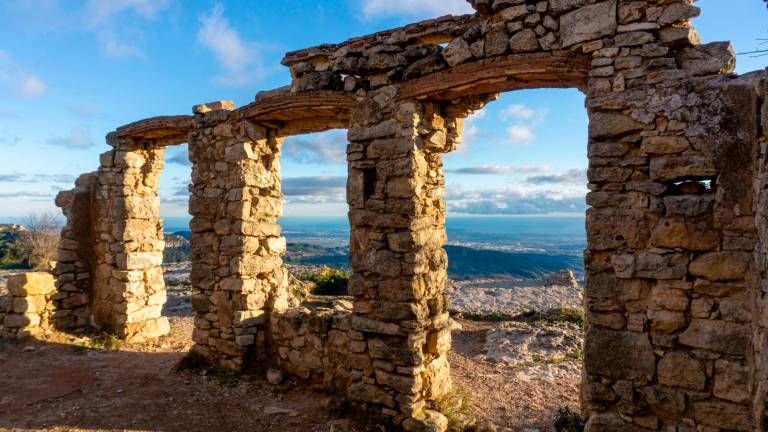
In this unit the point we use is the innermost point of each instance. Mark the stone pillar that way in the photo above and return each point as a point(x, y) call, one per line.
point(670, 269)
point(128, 291)
point(400, 330)
point(31, 304)
point(760, 293)
point(237, 273)
point(75, 259)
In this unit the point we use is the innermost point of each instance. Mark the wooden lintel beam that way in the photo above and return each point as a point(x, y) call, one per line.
point(559, 69)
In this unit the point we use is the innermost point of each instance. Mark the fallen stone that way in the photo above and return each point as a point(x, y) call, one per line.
point(274, 376)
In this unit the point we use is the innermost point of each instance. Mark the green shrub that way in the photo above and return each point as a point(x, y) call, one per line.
point(330, 281)
point(457, 408)
point(568, 421)
point(557, 315)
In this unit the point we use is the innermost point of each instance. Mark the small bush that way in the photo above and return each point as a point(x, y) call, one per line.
point(568, 421)
point(106, 342)
point(557, 315)
point(456, 407)
point(330, 282)
point(41, 239)
point(567, 314)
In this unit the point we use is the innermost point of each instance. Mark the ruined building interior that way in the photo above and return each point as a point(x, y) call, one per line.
point(676, 282)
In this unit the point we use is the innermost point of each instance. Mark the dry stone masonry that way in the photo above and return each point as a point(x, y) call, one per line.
point(676, 286)
point(29, 305)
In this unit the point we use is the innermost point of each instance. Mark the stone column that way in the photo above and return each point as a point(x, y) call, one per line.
point(670, 269)
point(760, 293)
point(75, 258)
point(237, 247)
point(128, 289)
point(400, 329)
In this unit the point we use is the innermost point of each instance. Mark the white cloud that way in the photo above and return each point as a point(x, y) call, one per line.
point(78, 138)
point(326, 147)
point(23, 83)
point(181, 157)
point(32, 87)
point(511, 201)
point(520, 134)
point(85, 110)
point(114, 48)
point(372, 9)
point(471, 131)
point(571, 176)
point(99, 11)
point(238, 57)
point(499, 169)
point(105, 18)
point(518, 111)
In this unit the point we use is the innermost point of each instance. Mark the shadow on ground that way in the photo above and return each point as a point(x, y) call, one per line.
point(62, 386)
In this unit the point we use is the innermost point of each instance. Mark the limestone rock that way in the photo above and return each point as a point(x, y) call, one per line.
point(524, 41)
point(32, 283)
point(721, 266)
point(680, 370)
point(722, 415)
point(619, 354)
point(426, 421)
point(608, 125)
point(718, 336)
point(274, 376)
point(732, 382)
point(588, 23)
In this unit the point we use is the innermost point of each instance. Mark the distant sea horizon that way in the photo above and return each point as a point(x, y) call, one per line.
point(546, 224)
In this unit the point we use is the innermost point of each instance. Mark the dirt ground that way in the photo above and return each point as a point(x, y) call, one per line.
point(63, 384)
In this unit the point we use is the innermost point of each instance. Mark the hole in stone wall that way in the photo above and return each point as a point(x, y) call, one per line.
point(369, 182)
point(692, 186)
point(515, 203)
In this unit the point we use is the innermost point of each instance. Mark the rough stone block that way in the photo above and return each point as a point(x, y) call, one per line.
point(588, 23)
point(719, 336)
point(33, 283)
point(678, 369)
point(620, 355)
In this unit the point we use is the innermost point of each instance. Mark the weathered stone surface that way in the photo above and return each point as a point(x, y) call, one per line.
point(620, 355)
point(678, 369)
point(732, 382)
point(610, 125)
point(672, 233)
point(721, 266)
point(651, 266)
point(723, 415)
point(30, 284)
point(587, 23)
point(524, 41)
point(718, 336)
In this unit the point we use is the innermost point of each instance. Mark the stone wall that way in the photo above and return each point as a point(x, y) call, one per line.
point(312, 343)
point(29, 304)
point(675, 284)
point(75, 259)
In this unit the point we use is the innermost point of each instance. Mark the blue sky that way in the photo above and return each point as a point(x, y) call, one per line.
point(73, 70)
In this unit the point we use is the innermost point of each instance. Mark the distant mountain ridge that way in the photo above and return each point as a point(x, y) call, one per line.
point(463, 262)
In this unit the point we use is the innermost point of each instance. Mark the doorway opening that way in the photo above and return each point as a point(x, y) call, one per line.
point(515, 203)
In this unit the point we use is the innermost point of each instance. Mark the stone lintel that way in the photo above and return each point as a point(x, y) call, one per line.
point(559, 69)
point(166, 130)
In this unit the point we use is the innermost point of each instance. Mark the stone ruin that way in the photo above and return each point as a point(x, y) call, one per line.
point(676, 284)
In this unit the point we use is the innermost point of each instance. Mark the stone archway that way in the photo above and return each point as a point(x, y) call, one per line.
point(676, 333)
